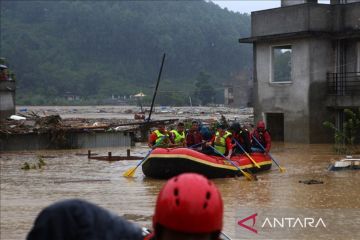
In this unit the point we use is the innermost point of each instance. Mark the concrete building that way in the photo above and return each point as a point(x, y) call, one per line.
point(237, 91)
point(7, 94)
point(306, 67)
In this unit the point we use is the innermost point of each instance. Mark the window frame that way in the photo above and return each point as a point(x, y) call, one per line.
point(271, 79)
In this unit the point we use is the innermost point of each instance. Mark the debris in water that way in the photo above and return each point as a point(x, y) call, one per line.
point(27, 166)
point(346, 163)
point(311, 181)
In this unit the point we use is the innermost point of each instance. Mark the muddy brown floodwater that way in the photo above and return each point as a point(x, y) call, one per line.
point(68, 175)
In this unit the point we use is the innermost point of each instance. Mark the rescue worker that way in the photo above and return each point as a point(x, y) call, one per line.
point(189, 206)
point(178, 135)
point(242, 136)
point(205, 131)
point(159, 137)
point(222, 141)
point(194, 137)
point(262, 136)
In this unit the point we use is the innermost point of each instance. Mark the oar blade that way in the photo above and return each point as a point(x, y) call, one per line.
point(130, 172)
point(248, 176)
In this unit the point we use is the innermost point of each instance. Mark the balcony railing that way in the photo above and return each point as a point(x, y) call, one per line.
point(343, 84)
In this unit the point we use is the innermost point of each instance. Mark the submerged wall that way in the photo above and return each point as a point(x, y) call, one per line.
point(34, 141)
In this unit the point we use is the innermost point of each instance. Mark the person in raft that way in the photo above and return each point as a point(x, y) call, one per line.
point(189, 206)
point(242, 138)
point(194, 137)
point(262, 136)
point(178, 135)
point(160, 137)
point(222, 141)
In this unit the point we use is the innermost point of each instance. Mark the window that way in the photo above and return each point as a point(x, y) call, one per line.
point(281, 64)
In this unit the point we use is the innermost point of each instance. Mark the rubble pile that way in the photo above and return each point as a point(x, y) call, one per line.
point(34, 123)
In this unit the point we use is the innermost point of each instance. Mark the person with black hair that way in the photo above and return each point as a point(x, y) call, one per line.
point(194, 137)
point(178, 135)
point(242, 137)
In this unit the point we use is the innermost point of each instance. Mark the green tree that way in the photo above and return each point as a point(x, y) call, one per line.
point(204, 91)
point(346, 137)
point(95, 47)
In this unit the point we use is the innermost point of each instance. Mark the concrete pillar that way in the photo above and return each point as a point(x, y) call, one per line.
point(285, 3)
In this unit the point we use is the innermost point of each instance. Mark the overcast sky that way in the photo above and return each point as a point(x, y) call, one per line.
point(248, 6)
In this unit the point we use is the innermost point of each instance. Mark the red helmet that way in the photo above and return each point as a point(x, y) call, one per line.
point(189, 203)
point(261, 124)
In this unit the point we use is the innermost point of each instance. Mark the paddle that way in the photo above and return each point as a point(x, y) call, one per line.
point(248, 176)
point(195, 145)
point(247, 154)
point(262, 147)
point(131, 172)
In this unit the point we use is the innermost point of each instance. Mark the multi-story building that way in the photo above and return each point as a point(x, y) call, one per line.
point(306, 67)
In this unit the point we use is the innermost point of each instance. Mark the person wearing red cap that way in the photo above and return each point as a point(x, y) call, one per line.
point(262, 136)
point(189, 206)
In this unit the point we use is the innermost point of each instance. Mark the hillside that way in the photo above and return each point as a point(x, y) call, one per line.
point(98, 49)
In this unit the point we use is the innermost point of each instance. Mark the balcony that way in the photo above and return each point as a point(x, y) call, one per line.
point(343, 89)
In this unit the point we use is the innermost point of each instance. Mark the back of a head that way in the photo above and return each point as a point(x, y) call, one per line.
point(235, 127)
point(189, 203)
point(181, 124)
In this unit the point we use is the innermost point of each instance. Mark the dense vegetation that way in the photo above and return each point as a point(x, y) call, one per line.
point(96, 49)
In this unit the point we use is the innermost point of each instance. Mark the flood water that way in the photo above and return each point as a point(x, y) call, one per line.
point(70, 175)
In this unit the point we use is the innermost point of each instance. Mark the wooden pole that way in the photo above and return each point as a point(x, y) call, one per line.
point(156, 88)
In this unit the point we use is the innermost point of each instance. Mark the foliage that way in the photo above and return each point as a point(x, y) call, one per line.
point(96, 49)
point(346, 137)
point(10, 73)
point(39, 165)
point(204, 91)
point(282, 65)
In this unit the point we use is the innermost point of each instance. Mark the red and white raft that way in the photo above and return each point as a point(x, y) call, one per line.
point(164, 163)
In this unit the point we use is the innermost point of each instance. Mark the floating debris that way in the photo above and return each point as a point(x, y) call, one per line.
point(311, 181)
point(346, 163)
point(39, 165)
